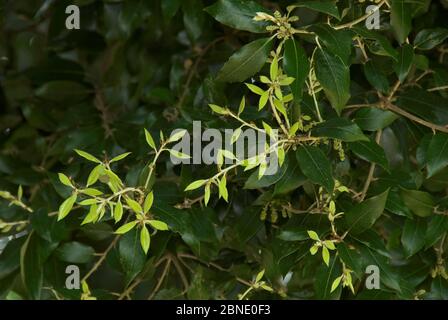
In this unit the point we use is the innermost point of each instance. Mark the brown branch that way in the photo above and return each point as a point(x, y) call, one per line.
point(162, 277)
point(371, 171)
point(101, 259)
point(416, 119)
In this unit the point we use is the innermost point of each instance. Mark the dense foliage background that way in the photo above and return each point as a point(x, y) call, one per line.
point(377, 101)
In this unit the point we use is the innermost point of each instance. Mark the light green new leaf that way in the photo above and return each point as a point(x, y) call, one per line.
point(64, 180)
point(148, 202)
point(177, 136)
point(158, 225)
point(120, 157)
point(255, 89)
point(126, 227)
point(145, 239)
point(87, 156)
point(336, 283)
point(217, 109)
point(149, 140)
point(326, 256)
point(66, 206)
point(206, 194)
point(313, 235)
point(134, 205)
point(179, 154)
point(194, 185)
point(118, 212)
point(94, 175)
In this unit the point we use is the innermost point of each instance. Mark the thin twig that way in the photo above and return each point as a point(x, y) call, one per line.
point(162, 277)
point(101, 259)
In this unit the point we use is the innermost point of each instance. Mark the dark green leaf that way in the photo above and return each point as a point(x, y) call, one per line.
point(334, 76)
point(75, 252)
point(437, 155)
point(375, 77)
point(132, 257)
point(362, 216)
point(296, 65)
point(405, 59)
point(413, 236)
point(246, 62)
point(341, 129)
point(373, 119)
point(429, 38)
point(401, 18)
point(315, 166)
point(421, 203)
point(370, 151)
point(325, 6)
point(338, 42)
point(238, 14)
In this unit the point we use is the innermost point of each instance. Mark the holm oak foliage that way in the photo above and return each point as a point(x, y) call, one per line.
point(87, 180)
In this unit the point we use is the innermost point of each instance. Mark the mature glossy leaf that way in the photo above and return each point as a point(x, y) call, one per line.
point(324, 279)
point(292, 179)
point(75, 252)
point(437, 227)
point(401, 18)
point(296, 65)
point(248, 224)
point(370, 151)
point(246, 62)
point(426, 105)
point(362, 216)
point(380, 46)
point(341, 129)
point(325, 6)
point(62, 91)
point(421, 203)
point(131, 255)
point(338, 42)
point(439, 289)
point(388, 276)
point(315, 166)
point(334, 76)
point(437, 153)
point(375, 77)
point(413, 236)
point(427, 39)
point(193, 18)
point(33, 254)
point(10, 257)
point(238, 14)
point(405, 59)
point(169, 8)
point(372, 119)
